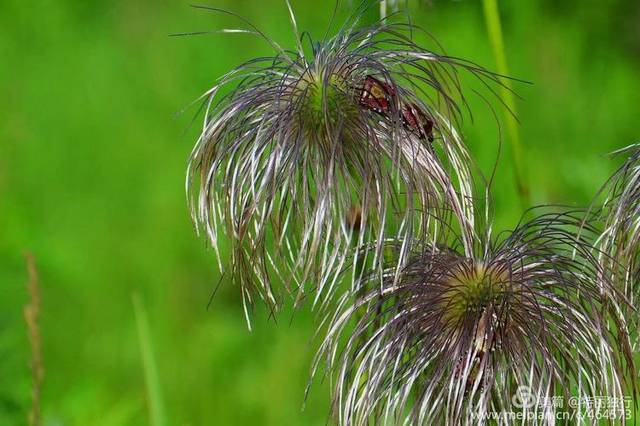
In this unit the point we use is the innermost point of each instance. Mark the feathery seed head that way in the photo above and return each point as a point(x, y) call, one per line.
point(619, 241)
point(366, 119)
point(454, 336)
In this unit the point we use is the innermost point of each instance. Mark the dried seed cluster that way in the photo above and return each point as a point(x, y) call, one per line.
point(338, 176)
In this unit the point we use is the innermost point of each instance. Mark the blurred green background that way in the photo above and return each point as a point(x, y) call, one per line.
point(92, 163)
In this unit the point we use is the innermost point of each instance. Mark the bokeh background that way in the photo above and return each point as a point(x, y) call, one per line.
point(93, 152)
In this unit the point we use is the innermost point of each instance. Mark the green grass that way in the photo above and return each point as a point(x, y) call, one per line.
point(151, 376)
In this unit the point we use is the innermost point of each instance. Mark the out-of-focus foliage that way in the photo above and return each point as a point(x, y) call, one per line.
point(92, 162)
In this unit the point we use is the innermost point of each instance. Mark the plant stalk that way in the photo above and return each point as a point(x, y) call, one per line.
point(494, 28)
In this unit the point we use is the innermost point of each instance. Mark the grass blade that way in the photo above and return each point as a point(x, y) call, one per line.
point(494, 27)
point(154, 392)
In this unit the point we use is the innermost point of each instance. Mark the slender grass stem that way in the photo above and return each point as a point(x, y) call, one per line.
point(494, 28)
point(31, 316)
point(383, 9)
point(154, 391)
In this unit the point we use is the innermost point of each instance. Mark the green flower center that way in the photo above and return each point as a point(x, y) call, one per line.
point(327, 103)
point(471, 290)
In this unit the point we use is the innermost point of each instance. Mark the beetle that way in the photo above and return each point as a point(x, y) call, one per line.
point(376, 95)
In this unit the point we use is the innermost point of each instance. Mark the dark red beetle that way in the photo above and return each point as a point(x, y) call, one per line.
point(377, 96)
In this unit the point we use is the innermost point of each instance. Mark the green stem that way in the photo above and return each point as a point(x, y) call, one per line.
point(494, 27)
point(154, 393)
